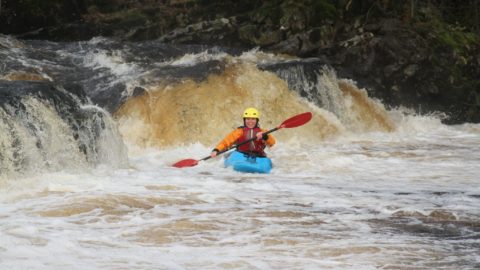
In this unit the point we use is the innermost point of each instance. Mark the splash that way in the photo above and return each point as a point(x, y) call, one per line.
point(190, 112)
point(362, 113)
point(351, 105)
point(37, 138)
point(204, 112)
point(46, 128)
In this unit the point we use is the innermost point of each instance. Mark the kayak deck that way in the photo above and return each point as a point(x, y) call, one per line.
point(245, 163)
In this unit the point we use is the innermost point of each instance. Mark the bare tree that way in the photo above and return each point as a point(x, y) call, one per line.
point(413, 6)
point(477, 24)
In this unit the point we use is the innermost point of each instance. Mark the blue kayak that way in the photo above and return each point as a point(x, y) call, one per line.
point(244, 163)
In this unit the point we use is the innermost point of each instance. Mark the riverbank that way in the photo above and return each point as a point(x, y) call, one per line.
point(425, 57)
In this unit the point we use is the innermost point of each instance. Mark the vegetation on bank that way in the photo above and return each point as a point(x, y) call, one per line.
point(455, 23)
point(452, 23)
point(20, 16)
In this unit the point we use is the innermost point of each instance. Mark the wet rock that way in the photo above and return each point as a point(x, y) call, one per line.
point(410, 70)
point(202, 32)
point(250, 34)
point(305, 43)
point(419, 71)
point(138, 91)
point(111, 98)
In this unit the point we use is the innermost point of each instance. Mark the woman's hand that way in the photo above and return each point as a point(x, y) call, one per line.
point(262, 136)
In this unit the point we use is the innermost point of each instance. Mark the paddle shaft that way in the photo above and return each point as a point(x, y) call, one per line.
point(295, 121)
point(242, 143)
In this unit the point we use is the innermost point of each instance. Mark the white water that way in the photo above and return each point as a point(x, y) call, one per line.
point(401, 200)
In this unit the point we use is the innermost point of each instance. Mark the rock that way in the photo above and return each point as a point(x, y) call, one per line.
point(305, 43)
point(201, 32)
point(138, 91)
point(410, 70)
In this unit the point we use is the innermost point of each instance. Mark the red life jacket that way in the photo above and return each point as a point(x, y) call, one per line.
point(254, 147)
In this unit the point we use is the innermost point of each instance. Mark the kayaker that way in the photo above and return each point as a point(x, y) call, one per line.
point(250, 129)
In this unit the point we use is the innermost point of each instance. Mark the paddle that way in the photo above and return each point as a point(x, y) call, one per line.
point(295, 121)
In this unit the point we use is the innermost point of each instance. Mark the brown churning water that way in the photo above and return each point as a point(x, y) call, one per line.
point(189, 111)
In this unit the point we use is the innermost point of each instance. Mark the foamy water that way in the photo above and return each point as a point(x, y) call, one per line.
point(358, 187)
point(402, 200)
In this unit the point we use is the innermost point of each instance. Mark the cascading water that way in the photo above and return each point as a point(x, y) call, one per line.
point(46, 127)
point(359, 187)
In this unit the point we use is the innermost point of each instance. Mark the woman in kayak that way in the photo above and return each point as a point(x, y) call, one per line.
point(249, 130)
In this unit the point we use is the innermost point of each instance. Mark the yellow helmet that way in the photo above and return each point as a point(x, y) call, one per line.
point(251, 113)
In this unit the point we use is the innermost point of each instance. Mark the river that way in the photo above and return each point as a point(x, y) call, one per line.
point(359, 187)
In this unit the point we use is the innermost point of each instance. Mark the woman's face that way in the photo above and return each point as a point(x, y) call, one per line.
point(250, 122)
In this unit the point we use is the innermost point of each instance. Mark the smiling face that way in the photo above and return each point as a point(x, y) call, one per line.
point(250, 122)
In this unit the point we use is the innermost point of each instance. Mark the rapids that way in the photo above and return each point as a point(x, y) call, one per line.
point(90, 129)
